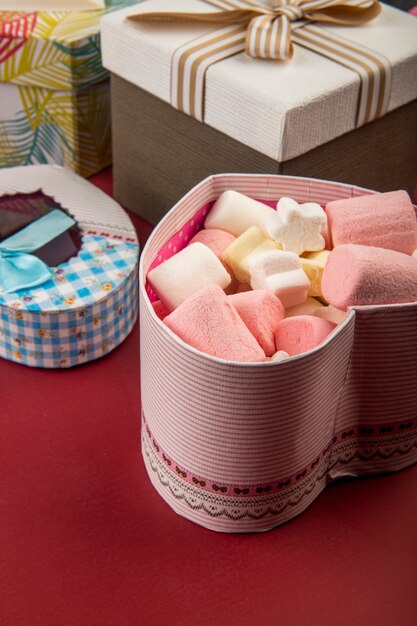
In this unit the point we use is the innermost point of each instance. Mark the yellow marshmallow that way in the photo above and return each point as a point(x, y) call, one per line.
point(320, 256)
point(313, 265)
point(252, 241)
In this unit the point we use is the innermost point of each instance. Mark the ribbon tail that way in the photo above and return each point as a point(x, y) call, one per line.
point(225, 17)
point(22, 271)
point(38, 233)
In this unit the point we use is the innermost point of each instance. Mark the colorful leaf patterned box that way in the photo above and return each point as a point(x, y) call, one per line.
point(54, 91)
point(68, 268)
point(240, 447)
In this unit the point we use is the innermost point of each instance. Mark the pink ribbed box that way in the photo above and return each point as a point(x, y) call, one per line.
point(241, 447)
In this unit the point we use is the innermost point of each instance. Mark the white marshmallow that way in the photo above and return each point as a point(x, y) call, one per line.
point(188, 271)
point(235, 213)
point(280, 356)
point(281, 273)
point(297, 227)
point(309, 307)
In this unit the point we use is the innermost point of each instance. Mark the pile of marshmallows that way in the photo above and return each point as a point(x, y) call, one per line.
point(258, 284)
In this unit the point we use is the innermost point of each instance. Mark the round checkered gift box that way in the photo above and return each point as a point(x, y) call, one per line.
point(90, 304)
point(241, 447)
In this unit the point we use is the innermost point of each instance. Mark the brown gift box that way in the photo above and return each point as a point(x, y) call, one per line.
point(152, 141)
point(260, 116)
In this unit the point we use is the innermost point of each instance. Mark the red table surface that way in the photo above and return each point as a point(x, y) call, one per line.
point(85, 540)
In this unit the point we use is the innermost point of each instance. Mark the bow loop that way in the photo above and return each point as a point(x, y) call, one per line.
point(19, 269)
point(268, 34)
point(343, 12)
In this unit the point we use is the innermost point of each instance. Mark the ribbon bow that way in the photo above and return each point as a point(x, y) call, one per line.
point(268, 30)
point(18, 268)
point(267, 25)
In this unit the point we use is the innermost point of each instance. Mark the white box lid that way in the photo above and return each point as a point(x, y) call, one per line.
point(281, 109)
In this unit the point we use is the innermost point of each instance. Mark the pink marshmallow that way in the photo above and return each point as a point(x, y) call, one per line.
point(215, 239)
point(208, 322)
point(295, 335)
point(160, 309)
point(383, 220)
point(364, 275)
point(261, 311)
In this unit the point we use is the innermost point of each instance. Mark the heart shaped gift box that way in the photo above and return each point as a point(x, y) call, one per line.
point(240, 447)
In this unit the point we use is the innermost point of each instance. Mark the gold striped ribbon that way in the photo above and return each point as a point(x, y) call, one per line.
point(268, 30)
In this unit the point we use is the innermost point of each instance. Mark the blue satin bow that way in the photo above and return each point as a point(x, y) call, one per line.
point(18, 268)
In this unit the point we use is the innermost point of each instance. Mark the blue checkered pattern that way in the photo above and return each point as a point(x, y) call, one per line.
point(101, 266)
point(83, 313)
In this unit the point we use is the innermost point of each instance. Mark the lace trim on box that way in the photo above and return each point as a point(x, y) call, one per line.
point(256, 501)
